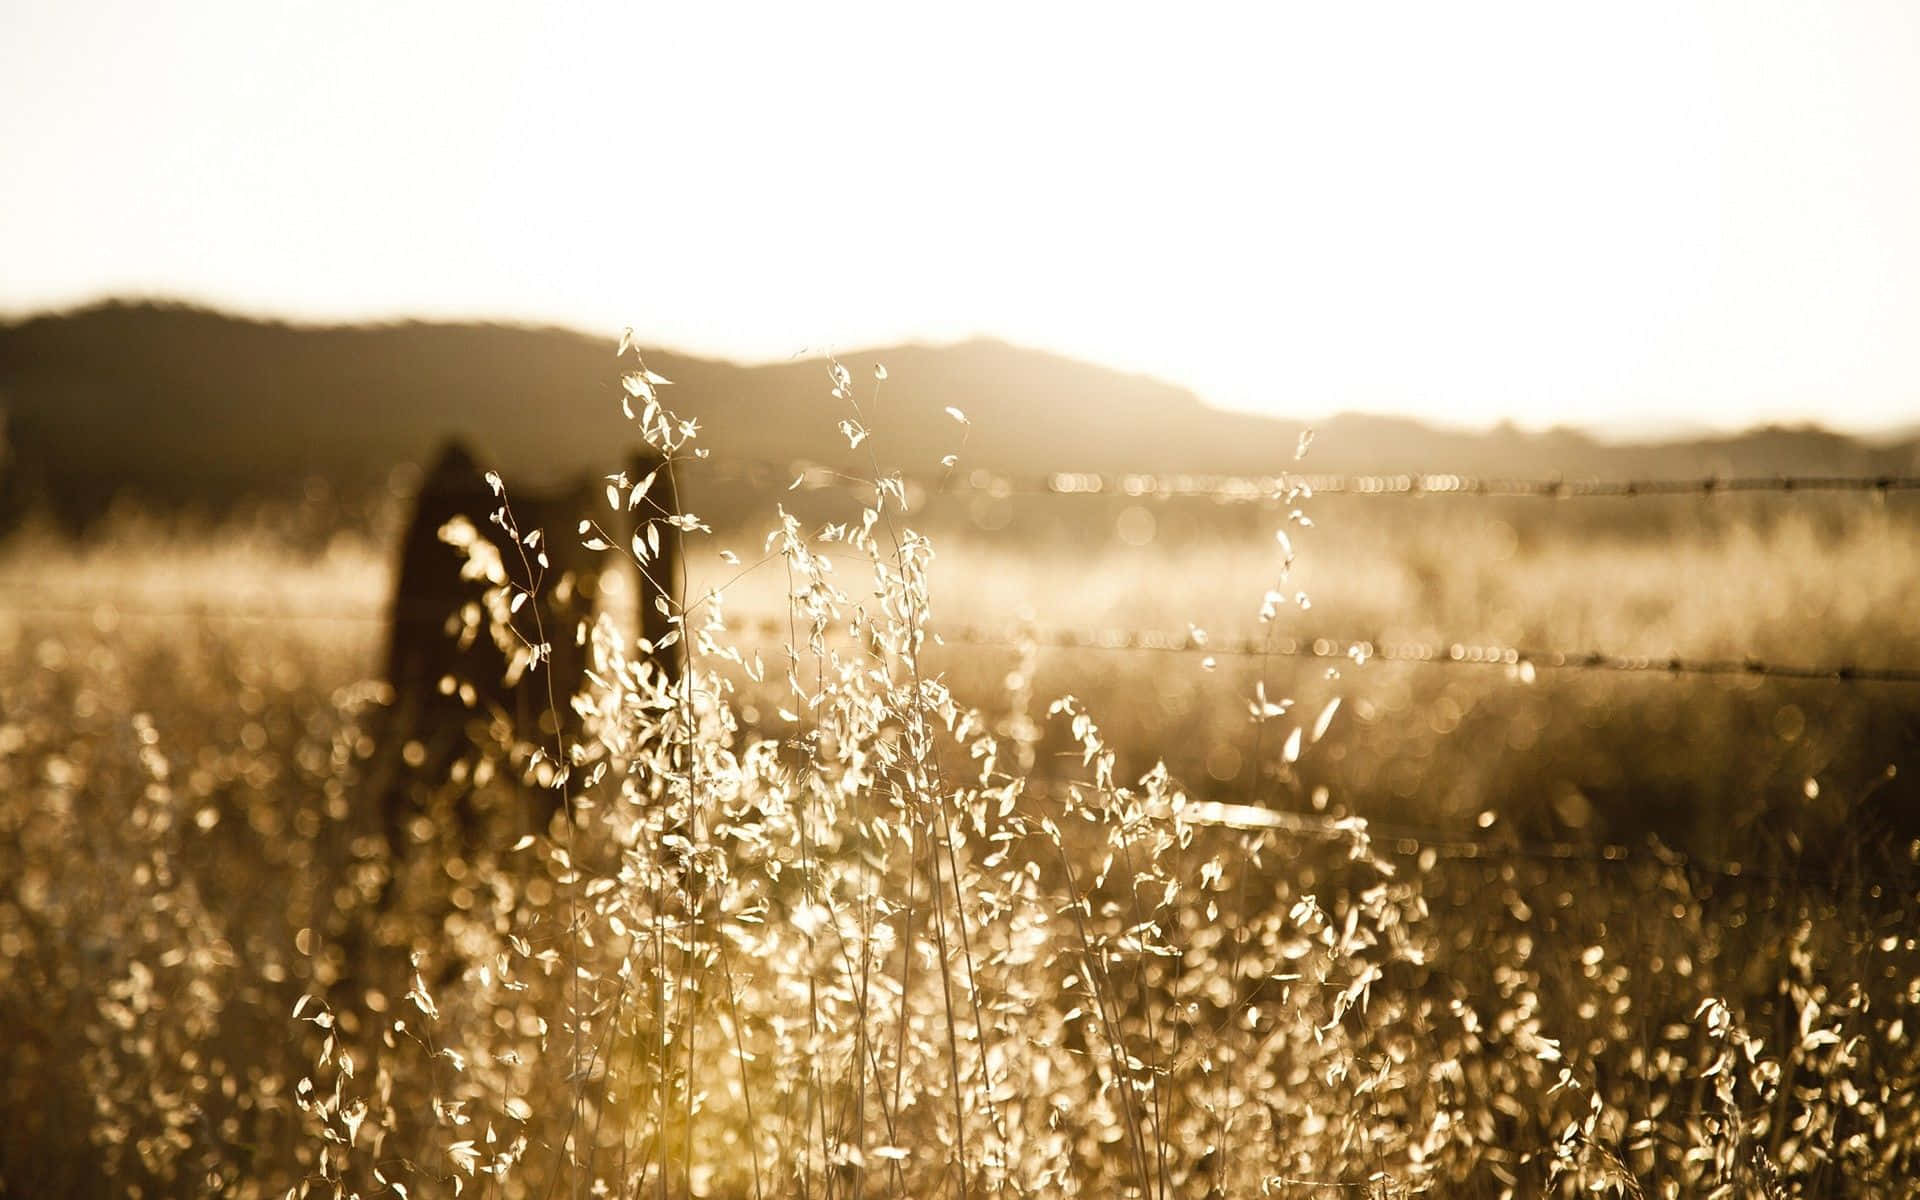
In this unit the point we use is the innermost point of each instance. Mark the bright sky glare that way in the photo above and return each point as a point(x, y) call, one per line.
point(1616, 215)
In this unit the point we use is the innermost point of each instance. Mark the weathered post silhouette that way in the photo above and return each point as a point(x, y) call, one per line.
point(469, 698)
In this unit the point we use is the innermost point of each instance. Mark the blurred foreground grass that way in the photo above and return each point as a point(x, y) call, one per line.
point(1161, 1005)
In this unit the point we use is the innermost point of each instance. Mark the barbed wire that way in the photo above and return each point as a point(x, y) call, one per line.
point(1288, 487)
point(1363, 650)
point(1408, 842)
point(1357, 651)
point(1403, 841)
point(1247, 487)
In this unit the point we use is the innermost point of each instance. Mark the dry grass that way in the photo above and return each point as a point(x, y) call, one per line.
point(846, 913)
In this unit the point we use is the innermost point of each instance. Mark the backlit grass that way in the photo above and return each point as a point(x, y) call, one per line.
point(850, 913)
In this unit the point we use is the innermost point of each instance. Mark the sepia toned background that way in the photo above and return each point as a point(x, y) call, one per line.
point(1495, 424)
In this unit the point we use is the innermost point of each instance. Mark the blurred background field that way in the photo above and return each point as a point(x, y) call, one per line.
point(188, 713)
point(1725, 765)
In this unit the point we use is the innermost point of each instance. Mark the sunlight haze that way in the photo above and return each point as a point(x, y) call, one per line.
point(1629, 216)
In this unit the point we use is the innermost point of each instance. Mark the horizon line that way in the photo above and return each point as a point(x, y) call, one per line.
point(1622, 433)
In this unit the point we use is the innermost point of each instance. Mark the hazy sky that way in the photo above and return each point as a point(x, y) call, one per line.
point(1601, 215)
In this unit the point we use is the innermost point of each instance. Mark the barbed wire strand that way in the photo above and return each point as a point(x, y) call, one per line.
point(1356, 651)
point(1256, 487)
point(808, 473)
point(1361, 651)
point(1289, 487)
point(1409, 842)
point(1404, 841)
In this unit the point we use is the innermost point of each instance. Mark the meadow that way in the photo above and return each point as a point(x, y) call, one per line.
point(854, 911)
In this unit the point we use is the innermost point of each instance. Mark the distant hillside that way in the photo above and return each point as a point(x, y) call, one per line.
point(180, 405)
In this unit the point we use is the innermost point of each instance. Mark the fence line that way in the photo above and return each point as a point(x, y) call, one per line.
point(1286, 487)
point(1191, 641)
point(1408, 841)
point(1260, 487)
point(1448, 654)
point(1400, 840)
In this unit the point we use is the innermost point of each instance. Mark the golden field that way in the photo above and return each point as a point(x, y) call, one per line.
point(855, 913)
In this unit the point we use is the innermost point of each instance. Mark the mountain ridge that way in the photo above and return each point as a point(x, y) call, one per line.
point(178, 404)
